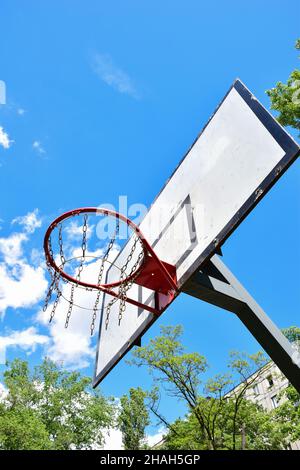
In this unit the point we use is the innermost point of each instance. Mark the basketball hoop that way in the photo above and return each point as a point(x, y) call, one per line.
point(142, 266)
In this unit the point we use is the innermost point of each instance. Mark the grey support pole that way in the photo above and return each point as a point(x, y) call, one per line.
point(215, 284)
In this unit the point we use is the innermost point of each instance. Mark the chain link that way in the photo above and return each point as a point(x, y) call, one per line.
point(83, 248)
point(69, 313)
point(54, 285)
point(58, 296)
point(50, 290)
point(104, 259)
point(52, 276)
point(56, 301)
point(127, 282)
point(61, 250)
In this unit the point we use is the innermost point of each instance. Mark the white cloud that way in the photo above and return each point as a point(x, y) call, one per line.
point(73, 345)
point(74, 230)
point(113, 76)
point(70, 346)
point(37, 257)
point(30, 221)
point(77, 252)
point(27, 339)
point(20, 111)
point(21, 284)
point(113, 440)
point(38, 147)
point(3, 392)
point(4, 139)
point(11, 247)
point(154, 439)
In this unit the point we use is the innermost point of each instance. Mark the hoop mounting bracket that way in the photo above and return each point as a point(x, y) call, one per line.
point(154, 278)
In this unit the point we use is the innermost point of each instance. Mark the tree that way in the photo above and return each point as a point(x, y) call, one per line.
point(218, 410)
point(256, 429)
point(288, 413)
point(20, 425)
point(57, 409)
point(184, 434)
point(285, 98)
point(292, 333)
point(133, 419)
point(22, 429)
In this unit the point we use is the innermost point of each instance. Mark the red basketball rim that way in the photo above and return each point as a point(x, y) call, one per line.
point(96, 210)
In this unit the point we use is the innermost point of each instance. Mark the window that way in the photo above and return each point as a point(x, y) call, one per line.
point(255, 389)
point(274, 401)
point(270, 380)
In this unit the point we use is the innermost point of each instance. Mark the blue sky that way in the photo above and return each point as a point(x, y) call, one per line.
point(103, 99)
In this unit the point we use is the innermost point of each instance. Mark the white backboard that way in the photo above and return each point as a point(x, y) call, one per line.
point(234, 161)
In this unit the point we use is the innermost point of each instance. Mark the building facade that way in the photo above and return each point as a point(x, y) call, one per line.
point(266, 388)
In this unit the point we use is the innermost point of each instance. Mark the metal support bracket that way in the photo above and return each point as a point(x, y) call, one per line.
point(216, 285)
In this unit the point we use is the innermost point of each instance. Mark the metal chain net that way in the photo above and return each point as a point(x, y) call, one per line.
point(80, 268)
point(52, 276)
point(54, 284)
point(101, 270)
point(127, 280)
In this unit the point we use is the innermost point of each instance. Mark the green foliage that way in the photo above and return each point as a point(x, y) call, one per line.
point(22, 429)
point(185, 434)
point(255, 428)
point(292, 333)
point(176, 370)
point(220, 414)
point(285, 98)
point(133, 419)
point(288, 413)
point(56, 407)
